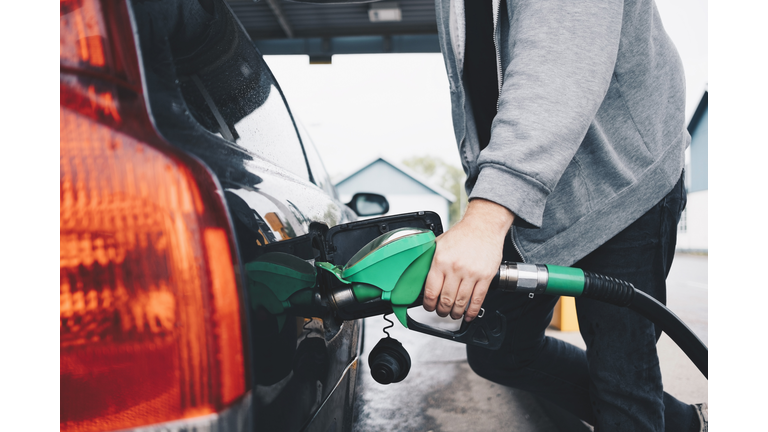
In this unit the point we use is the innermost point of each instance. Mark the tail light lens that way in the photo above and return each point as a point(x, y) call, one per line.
point(150, 325)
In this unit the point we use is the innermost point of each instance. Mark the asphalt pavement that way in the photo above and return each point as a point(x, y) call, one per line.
point(442, 394)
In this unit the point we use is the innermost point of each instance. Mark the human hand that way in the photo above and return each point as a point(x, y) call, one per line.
point(466, 260)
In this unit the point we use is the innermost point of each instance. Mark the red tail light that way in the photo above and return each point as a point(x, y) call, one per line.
point(150, 323)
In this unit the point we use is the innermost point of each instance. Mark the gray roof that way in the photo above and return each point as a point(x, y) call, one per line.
point(405, 171)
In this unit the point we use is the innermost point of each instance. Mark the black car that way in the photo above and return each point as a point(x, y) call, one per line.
point(179, 162)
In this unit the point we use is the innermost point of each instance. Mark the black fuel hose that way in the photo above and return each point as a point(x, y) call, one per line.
point(675, 328)
point(622, 293)
point(556, 280)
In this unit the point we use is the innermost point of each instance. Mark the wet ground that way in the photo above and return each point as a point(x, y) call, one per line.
point(442, 394)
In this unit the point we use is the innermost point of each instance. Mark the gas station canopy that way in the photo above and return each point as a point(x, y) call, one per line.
point(321, 30)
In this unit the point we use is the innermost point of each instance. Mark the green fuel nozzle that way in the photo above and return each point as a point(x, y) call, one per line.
point(388, 274)
point(391, 268)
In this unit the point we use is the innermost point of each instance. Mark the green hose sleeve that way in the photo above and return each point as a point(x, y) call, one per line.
point(566, 281)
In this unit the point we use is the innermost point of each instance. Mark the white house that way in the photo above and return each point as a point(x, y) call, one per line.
point(692, 230)
point(405, 190)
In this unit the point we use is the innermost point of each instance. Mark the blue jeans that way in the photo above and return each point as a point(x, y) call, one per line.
point(615, 384)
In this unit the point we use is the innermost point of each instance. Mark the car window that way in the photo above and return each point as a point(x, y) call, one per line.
point(225, 84)
point(319, 174)
point(251, 112)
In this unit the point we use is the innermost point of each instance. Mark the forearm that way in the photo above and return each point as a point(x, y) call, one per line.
point(488, 217)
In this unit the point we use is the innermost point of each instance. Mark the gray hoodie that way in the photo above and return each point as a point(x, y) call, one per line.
point(590, 132)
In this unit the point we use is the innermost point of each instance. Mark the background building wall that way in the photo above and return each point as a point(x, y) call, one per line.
point(693, 230)
point(700, 156)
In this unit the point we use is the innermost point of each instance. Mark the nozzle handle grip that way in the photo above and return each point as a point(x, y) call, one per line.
point(487, 331)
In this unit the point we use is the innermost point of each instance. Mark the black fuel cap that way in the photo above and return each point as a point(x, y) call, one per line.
point(389, 361)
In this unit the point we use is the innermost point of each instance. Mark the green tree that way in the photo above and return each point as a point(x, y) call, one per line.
point(447, 176)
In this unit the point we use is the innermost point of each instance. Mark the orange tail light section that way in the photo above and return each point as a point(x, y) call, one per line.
point(151, 322)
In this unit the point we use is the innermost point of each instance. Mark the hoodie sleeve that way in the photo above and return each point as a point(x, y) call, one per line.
point(560, 58)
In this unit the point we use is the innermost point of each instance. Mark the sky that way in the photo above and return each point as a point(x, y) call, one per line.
point(398, 106)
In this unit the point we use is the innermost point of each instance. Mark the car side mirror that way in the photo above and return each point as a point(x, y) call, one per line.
point(368, 204)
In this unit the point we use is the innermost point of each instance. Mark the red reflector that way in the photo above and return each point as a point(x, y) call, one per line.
point(150, 323)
